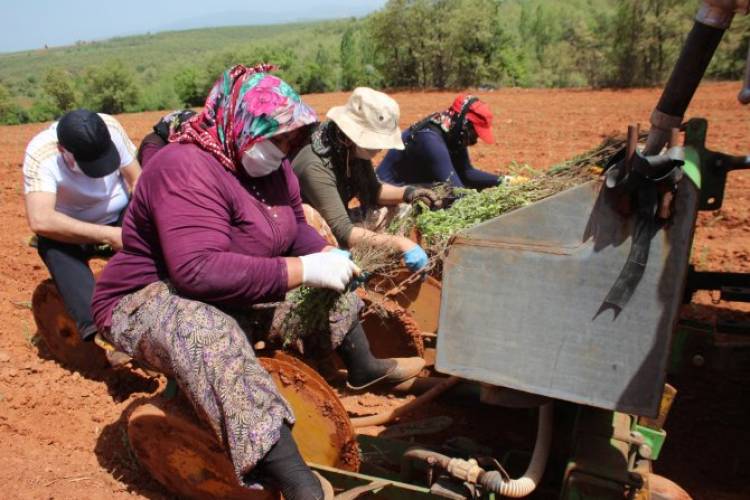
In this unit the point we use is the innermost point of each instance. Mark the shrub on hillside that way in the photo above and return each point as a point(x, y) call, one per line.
point(44, 109)
point(158, 96)
point(10, 112)
point(110, 88)
point(191, 86)
point(59, 86)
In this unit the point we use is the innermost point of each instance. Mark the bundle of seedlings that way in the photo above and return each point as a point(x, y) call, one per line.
point(473, 207)
point(311, 307)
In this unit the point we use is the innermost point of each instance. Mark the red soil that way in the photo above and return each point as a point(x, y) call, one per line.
point(61, 432)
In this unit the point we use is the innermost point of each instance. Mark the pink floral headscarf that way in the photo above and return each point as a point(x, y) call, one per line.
point(245, 106)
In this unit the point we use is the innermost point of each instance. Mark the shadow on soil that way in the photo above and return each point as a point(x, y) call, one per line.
point(707, 450)
point(114, 453)
point(121, 383)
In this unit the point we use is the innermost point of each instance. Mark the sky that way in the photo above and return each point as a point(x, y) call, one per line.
point(30, 24)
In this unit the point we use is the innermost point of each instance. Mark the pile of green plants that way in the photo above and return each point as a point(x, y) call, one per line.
point(309, 313)
point(473, 207)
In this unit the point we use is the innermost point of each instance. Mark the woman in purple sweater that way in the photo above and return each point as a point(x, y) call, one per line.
point(216, 223)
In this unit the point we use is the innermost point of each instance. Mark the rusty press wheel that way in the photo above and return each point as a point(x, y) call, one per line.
point(60, 333)
point(182, 453)
point(390, 329)
point(323, 431)
point(661, 488)
point(420, 298)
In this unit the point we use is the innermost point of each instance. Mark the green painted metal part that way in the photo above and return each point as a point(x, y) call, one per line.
point(599, 468)
point(653, 438)
point(692, 166)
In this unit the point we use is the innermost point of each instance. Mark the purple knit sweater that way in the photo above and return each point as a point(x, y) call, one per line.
point(208, 231)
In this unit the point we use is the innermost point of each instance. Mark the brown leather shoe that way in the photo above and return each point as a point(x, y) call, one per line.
point(404, 369)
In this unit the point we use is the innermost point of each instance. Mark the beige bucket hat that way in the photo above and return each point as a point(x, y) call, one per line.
point(370, 119)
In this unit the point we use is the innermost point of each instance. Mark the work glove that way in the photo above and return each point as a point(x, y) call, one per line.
point(358, 280)
point(415, 258)
point(341, 251)
point(412, 194)
point(513, 180)
point(328, 270)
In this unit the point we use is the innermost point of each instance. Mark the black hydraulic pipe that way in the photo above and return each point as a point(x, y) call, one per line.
point(697, 52)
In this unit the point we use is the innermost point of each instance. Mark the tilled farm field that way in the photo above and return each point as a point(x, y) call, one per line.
point(62, 434)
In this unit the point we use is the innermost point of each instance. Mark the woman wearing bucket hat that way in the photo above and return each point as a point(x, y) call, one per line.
point(337, 166)
point(436, 148)
point(216, 226)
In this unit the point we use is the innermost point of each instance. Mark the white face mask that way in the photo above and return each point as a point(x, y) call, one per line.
point(262, 159)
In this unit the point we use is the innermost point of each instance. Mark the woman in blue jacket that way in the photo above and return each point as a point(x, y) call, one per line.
point(437, 148)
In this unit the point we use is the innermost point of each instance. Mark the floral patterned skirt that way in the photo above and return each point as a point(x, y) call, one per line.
point(211, 358)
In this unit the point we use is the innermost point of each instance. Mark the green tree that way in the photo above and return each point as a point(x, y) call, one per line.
point(471, 50)
point(394, 31)
point(316, 76)
point(10, 112)
point(436, 43)
point(219, 63)
point(369, 75)
point(58, 84)
point(111, 88)
point(43, 109)
point(160, 95)
point(351, 65)
point(191, 86)
point(731, 55)
point(646, 37)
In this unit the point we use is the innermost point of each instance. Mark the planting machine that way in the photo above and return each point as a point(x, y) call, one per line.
point(564, 311)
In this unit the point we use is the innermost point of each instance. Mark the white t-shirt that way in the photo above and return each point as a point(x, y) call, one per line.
point(98, 201)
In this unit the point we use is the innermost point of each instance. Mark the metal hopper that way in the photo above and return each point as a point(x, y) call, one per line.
point(524, 301)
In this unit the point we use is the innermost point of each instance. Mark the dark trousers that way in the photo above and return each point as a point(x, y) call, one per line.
point(68, 263)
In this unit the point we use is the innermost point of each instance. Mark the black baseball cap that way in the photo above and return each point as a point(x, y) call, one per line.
point(86, 136)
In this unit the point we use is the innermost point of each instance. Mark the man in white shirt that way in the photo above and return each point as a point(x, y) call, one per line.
point(78, 178)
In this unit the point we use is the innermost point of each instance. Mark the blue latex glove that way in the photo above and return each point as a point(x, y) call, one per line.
point(357, 281)
point(415, 258)
point(345, 253)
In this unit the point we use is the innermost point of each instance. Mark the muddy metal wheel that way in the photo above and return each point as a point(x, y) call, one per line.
point(419, 297)
point(661, 488)
point(390, 329)
point(183, 454)
point(323, 431)
point(60, 333)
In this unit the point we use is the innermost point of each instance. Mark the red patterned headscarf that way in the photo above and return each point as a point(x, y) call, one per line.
point(245, 106)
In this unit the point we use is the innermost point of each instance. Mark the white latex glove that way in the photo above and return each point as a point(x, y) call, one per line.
point(328, 270)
